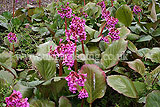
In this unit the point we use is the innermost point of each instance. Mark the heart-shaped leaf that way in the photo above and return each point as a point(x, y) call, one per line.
point(110, 56)
point(96, 83)
point(138, 66)
point(123, 85)
point(124, 15)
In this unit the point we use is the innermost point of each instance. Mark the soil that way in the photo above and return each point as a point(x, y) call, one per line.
point(6, 5)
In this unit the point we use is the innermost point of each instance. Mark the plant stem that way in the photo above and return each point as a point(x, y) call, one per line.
point(65, 26)
point(27, 1)
point(82, 103)
point(139, 17)
point(39, 3)
point(112, 2)
point(90, 104)
point(102, 29)
point(13, 7)
point(75, 56)
point(60, 68)
point(13, 49)
point(84, 2)
point(83, 47)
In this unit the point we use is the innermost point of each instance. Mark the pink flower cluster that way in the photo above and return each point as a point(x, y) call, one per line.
point(64, 51)
point(65, 11)
point(77, 28)
point(137, 9)
point(75, 79)
point(12, 37)
point(111, 22)
point(15, 100)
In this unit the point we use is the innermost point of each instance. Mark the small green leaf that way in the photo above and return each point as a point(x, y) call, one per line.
point(133, 37)
point(42, 103)
point(154, 55)
point(124, 15)
point(123, 85)
point(145, 38)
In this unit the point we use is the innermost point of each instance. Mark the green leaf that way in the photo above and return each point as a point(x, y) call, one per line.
point(138, 66)
point(153, 99)
point(124, 15)
point(25, 91)
point(110, 56)
point(132, 47)
point(45, 65)
point(145, 38)
point(140, 87)
point(45, 47)
point(156, 32)
point(96, 83)
point(64, 102)
point(123, 85)
point(133, 37)
point(124, 31)
point(156, 72)
point(142, 52)
point(8, 77)
point(154, 55)
point(90, 31)
point(42, 103)
point(153, 11)
point(7, 15)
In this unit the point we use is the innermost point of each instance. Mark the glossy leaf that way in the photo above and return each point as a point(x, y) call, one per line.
point(153, 99)
point(138, 66)
point(124, 15)
point(123, 85)
point(96, 83)
point(124, 31)
point(110, 56)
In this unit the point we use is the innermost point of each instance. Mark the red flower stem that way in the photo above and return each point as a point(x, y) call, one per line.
point(102, 29)
point(82, 103)
point(83, 47)
point(84, 2)
point(112, 2)
point(65, 26)
point(139, 17)
point(60, 68)
point(27, 1)
point(13, 7)
point(13, 49)
point(75, 56)
point(39, 3)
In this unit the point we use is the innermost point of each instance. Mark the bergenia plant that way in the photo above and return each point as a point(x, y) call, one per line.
point(110, 24)
point(16, 100)
point(137, 10)
point(74, 79)
point(12, 39)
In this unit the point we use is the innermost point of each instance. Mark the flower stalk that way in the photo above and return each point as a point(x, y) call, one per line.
point(83, 47)
point(60, 68)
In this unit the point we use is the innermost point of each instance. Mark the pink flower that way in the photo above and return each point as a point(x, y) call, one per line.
point(137, 9)
point(83, 94)
point(12, 37)
point(65, 11)
point(15, 99)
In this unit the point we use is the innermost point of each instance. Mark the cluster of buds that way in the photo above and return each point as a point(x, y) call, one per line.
point(65, 11)
point(16, 100)
point(74, 79)
point(12, 37)
point(137, 9)
point(111, 22)
point(64, 52)
point(77, 28)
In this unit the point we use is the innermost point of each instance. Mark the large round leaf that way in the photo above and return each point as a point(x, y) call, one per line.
point(45, 65)
point(123, 85)
point(153, 99)
point(138, 66)
point(110, 56)
point(96, 83)
point(64, 102)
point(124, 15)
